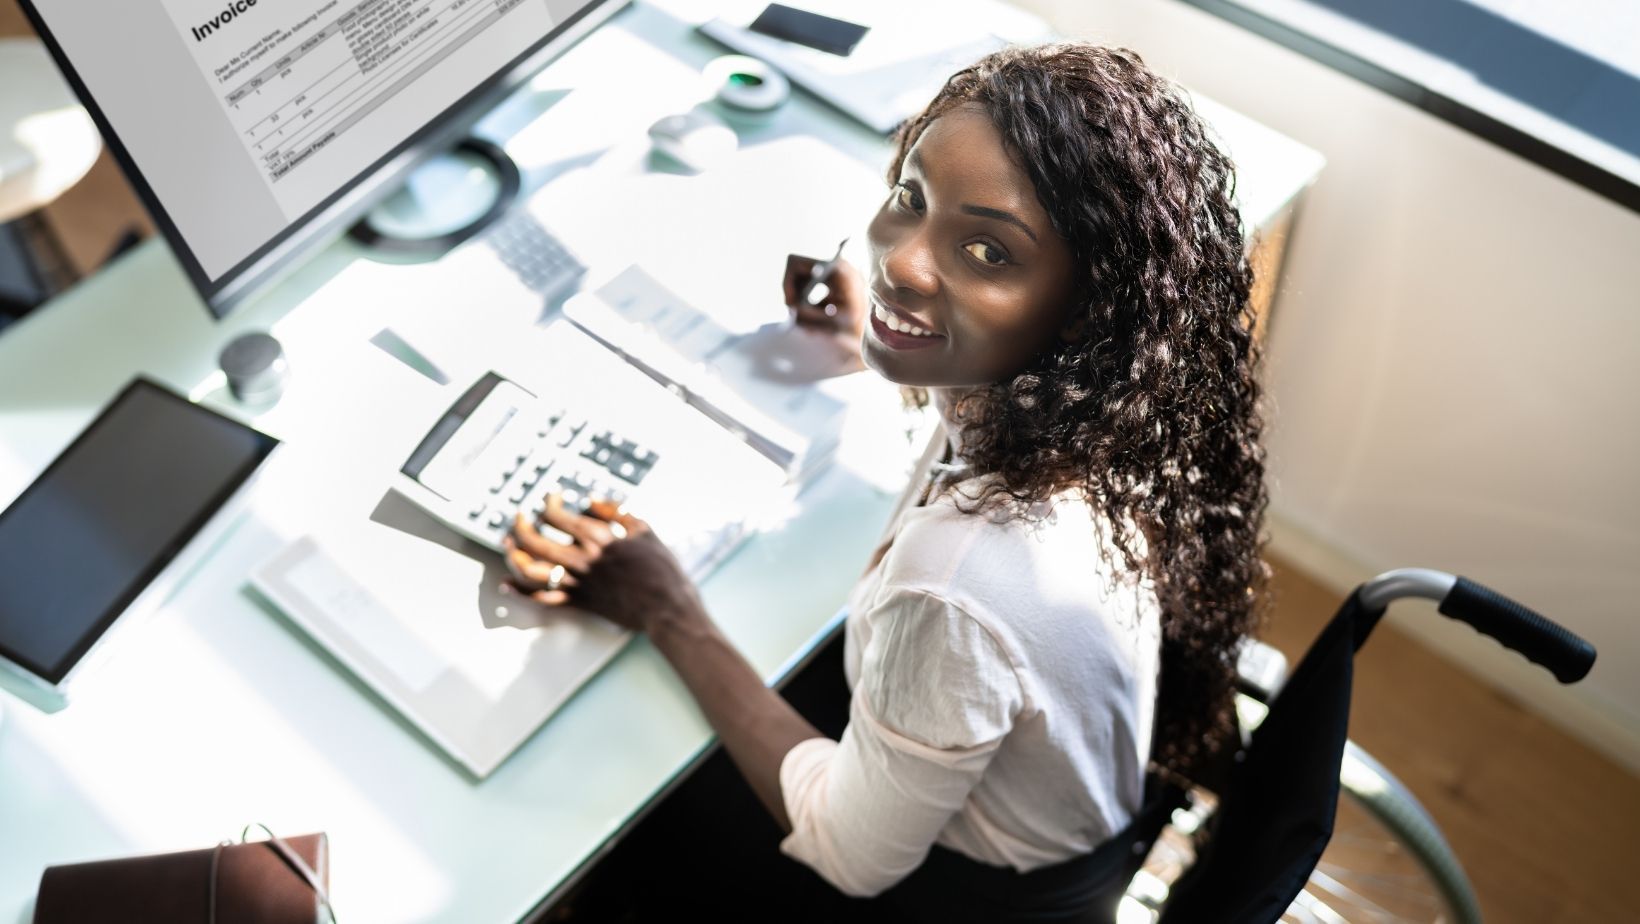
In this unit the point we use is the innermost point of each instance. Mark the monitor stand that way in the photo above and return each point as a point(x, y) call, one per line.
point(445, 201)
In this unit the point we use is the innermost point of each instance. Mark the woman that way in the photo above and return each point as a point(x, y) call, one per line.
point(1059, 264)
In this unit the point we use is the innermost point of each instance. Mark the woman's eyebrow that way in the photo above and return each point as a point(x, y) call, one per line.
point(1000, 215)
point(914, 160)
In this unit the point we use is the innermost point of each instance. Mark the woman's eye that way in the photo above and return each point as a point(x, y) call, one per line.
point(988, 254)
point(906, 198)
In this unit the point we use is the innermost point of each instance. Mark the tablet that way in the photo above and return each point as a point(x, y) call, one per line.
point(87, 540)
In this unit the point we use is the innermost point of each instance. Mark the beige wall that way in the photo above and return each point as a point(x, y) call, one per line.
point(1454, 360)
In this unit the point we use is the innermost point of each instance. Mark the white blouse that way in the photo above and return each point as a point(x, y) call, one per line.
point(1004, 685)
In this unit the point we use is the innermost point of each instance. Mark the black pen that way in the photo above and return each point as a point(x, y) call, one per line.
point(821, 274)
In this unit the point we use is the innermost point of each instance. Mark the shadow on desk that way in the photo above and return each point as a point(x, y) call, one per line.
point(710, 850)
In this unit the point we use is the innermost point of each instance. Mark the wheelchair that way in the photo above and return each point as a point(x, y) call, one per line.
point(1302, 825)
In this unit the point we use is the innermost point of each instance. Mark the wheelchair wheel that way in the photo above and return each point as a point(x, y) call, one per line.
point(1387, 861)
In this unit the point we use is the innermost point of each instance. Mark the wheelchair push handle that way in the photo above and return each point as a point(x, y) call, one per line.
point(1517, 627)
point(1566, 655)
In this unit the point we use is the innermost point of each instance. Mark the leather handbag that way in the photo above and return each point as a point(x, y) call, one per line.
point(275, 881)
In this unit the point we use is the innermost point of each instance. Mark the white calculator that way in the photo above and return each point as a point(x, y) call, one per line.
point(501, 449)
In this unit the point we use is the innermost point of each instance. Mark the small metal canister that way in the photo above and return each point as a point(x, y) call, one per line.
point(256, 368)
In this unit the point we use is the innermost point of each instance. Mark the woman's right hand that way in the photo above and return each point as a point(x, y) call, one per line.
point(615, 567)
point(842, 313)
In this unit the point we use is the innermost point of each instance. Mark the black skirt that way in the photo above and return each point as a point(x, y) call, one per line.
point(951, 887)
point(711, 850)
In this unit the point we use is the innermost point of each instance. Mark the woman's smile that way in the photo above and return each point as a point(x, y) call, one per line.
point(963, 258)
point(898, 330)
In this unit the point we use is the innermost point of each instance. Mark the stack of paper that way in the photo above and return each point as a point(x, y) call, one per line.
point(769, 386)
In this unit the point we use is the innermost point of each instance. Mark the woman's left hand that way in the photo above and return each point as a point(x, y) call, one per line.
point(842, 313)
point(616, 566)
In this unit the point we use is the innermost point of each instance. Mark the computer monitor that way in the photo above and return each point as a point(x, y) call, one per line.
point(254, 129)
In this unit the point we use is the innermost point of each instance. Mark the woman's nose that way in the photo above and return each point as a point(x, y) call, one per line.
point(908, 264)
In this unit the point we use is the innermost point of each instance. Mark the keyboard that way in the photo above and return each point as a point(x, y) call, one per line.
point(540, 260)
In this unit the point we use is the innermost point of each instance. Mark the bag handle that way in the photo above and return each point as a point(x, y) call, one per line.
point(291, 858)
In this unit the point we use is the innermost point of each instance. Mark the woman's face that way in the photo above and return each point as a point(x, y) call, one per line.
point(964, 256)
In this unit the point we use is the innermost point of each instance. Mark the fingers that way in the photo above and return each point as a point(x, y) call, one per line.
point(822, 315)
point(528, 540)
point(554, 573)
point(593, 534)
point(542, 581)
point(531, 572)
point(841, 295)
point(544, 569)
point(798, 270)
point(613, 515)
point(604, 523)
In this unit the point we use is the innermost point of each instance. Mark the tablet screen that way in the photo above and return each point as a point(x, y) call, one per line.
point(81, 542)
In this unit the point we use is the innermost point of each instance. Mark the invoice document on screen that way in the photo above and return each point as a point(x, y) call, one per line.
point(318, 89)
point(245, 115)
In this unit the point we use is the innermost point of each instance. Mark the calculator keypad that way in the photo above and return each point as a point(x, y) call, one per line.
point(620, 457)
point(563, 453)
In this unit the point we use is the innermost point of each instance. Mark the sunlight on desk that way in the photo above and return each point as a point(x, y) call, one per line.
point(220, 711)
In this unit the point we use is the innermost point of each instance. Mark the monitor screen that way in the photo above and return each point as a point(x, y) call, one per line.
point(251, 127)
point(81, 542)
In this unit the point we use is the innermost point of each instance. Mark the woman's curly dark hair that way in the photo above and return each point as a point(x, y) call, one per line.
point(1153, 411)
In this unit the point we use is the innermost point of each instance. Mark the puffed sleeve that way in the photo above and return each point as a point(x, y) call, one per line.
point(936, 695)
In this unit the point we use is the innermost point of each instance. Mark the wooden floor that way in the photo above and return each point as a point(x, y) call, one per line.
point(1548, 829)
